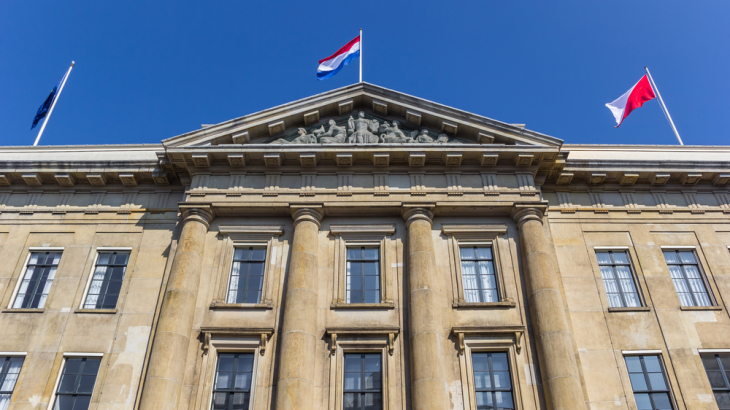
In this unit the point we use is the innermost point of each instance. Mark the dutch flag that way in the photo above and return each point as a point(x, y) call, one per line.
point(334, 63)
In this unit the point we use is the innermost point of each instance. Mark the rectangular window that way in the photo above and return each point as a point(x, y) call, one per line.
point(363, 275)
point(618, 279)
point(77, 383)
point(477, 271)
point(37, 280)
point(247, 275)
point(492, 385)
point(717, 367)
point(687, 278)
point(232, 388)
point(9, 371)
point(648, 382)
point(363, 382)
point(106, 281)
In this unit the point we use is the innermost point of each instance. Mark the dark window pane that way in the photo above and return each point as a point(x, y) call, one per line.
point(86, 384)
point(64, 403)
point(372, 282)
point(652, 364)
point(480, 362)
point(225, 363)
point(352, 363)
point(370, 268)
point(353, 381)
point(240, 401)
point(256, 268)
point(68, 383)
point(722, 400)
point(633, 363)
point(82, 402)
point(499, 361)
point(484, 400)
point(504, 400)
point(371, 296)
point(372, 401)
point(370, 253)
point(657, 381)
point(351, 401)
point(638, 382)
point(353, 254)
point(220, 401)
point(643, 402)
point(482, 380)
point(258, 254)
point(661, 401)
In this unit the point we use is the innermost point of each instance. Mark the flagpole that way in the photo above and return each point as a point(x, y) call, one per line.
point(360, 55)
point(664, 106)
point(55, 100)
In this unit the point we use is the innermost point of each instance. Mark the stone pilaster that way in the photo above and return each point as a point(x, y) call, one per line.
point(166, 369)
point(295, 383)
point(550, 322)
point(429, 388)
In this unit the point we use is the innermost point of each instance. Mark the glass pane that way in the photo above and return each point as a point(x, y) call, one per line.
point(681, 285)
point(479, 362)
point(82, 402)
point(372, 282)
point(258, 254)
point(103, 258)
point(486, 269)
point(86, 385)
point(4, 401)
point(372, 401)
point(68, 383)
point(620, 257)
point(256, 268)
point(220, 401)
point(603, 258)
point(676, 271)
point(121, 259)
point(671, 257)
point(661, 401)
point(223, 380)
point(252, 297)
point(685, 299)
point(723, 400)
point(371, 296)
point(73, 366)
point(352, 381)
point(657, 381)
point(351, 401)
point(64, 403)
point(725, 360)
point(484, 400)
point(370, 254)
point(240, 254)
point(9, 382)
point(632, 300)
point(372, 381)
point(623, 272)
point(225, 363)
point(502, 381)
point(354, 296)
point(607, 272)
point(710, 362)
point(255, 282)
point(638, 382)
point(245, 363)
point(470, 281)
point(484, 253)
point(353, 253)
point(652, 364)
point(243, 381)
point(499, 361)
point(466, 253)
point(471, 296)
point(703, 299)
point(372, 363)
point(716, 379)
point(240, 401)
point(34, 257)
point(482, 380)
point(614, 300)
point(691, 271)
point(353, 269)
point(352, 363)
point(611, 286)
point(504, 400)
point(354, 282)
point(490, 295)
point(687, 257)
point(370, 268)
point(643, 402)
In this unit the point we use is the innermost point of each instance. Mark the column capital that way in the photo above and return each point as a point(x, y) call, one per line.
point(199, 213)
point(523, 212)
point(416, 212)
point(310, 213)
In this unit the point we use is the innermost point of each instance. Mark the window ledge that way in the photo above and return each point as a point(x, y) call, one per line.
point(690, 308)
point(486, 305)
point(98, 311)
point(364, 306)
point(241, 306)
point(21, 310)
point(630, 309)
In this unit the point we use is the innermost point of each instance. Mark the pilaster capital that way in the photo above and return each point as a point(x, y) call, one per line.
point(310, 213)
point(415, 212)
point(523, 212)
point(198, 213)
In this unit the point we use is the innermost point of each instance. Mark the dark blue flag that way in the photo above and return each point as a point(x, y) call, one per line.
point(46, 106)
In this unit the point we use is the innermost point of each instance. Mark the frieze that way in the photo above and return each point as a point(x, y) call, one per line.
point(363, 130)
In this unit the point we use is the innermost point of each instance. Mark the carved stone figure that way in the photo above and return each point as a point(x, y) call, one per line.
point(303, 138)
point(393, 134)
point(443, 138)
point(362, 130)
point(424, 138)
point(334, 135)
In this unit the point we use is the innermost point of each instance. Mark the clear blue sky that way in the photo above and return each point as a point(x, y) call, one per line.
point(146, 71)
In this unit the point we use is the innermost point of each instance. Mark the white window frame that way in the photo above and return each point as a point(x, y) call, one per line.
point(66, 355)
point(703, 274)
point(240, 236)
point(352, 236)
point(634, 276)
point(479, 235)
point(25, 269)
point(665, 368)
point(93, 268)
point(24, 355)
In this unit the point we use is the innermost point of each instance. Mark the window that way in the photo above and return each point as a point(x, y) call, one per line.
point(688, 281)
point(9, 371)
point(232, 388)
point(618, 279)
point(363, 275)
point(247, 275)
point(106, 281)
point(492, 384)
point(477, 271)
point(77, 383)
point(648, 382)
point(363, 382)
point(717, 367)
point(37, 280)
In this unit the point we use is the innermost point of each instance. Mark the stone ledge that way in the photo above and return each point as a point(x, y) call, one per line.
point(21, 310)
point(363, 306)
point(485, 305)
point(98, 311)
point(694, 308)
point(240, 306)
point(630, 309)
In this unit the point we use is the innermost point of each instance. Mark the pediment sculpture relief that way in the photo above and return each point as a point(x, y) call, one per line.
point(362, 130)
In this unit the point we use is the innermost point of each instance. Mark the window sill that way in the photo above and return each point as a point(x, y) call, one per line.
point(363, 306)
point(503, 304)
point(630, 309)
point(691, 308)
point(98, 311)
point(21, 310)
point(241, 306)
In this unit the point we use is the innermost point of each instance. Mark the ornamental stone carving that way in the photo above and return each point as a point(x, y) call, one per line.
point(362, 130)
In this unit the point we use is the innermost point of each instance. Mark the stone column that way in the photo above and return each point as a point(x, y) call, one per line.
point(553, 335)
point(429, 388)
point(166, 369)
point(295, 384)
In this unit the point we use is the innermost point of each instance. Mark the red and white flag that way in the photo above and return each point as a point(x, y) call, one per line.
point(631, 100)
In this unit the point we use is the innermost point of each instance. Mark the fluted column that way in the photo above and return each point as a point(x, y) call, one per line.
point(166, 369)
point(429, 389)
point(550, 322)
point(295, 384)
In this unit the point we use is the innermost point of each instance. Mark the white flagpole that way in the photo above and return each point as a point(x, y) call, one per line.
point(55, 100)
point(360, 55)
point(664, 106)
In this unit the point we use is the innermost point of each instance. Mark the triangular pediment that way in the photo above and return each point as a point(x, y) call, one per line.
point(362, 114)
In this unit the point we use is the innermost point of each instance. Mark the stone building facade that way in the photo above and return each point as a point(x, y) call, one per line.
point(367, 249)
